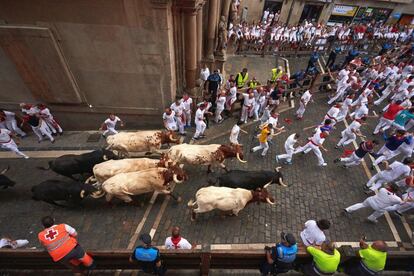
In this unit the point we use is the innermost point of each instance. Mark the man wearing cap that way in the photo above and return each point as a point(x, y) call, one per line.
point(148, 257)
point(325, 259)
point(373, 258)
point(280, 258)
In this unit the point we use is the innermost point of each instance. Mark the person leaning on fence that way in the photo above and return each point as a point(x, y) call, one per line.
point(325, 260)
point(280, 258)
point(148, 257)
point(373, 259)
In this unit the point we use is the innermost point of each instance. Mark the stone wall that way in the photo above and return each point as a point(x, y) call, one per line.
point(119, 54)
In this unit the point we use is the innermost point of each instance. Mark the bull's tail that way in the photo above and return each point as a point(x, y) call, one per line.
point(45, 168)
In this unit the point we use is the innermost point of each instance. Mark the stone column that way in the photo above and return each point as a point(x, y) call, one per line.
point(190, 23)
point(199, 36)
point(211, 31)
point(226, 8)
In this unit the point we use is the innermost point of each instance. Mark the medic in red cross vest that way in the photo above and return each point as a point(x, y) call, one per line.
point(61, 244)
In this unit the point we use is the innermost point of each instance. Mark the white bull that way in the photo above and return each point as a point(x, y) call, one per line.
point(226, 199)
point(141, 141)
point(213, 154)
point(124, 185)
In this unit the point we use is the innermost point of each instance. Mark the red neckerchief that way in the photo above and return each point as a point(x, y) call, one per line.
point(176, 241)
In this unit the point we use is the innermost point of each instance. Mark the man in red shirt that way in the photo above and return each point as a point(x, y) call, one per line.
point(388, 117)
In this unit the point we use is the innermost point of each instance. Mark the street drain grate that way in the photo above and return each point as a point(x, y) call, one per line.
point(94, 137)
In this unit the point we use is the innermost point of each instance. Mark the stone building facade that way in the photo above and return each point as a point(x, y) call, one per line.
point(86, 59)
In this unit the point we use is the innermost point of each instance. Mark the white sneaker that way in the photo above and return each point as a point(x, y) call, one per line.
point(324, 164)
point(26, 157)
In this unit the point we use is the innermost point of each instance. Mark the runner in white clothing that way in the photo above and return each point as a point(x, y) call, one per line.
point(234, 134)
point(188, 106)
point(10, 122)
point(220, 102)
point(315, 142)
point(178, 108)
point(391, 173)
point(290, 148)
point(304, 100)
point(199, 121)
point(170, 122)
point(313, 233)
point(7, 143)
point(333, 113)
point(45, 114)
point(248, 103)
point(109, 125)
point(351, 132)
point(176, 241)
point(385, 198)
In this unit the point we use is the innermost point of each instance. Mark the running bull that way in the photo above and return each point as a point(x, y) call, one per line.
point(213, 154)
point(141, 141)
point(5, 182)
point(51, 191)
point(226, 199)
point(124, 185)
point(70, 164)
point(250, 180)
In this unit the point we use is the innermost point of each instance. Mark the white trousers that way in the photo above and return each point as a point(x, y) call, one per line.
point(218, 116)
point(382, 125)
point(244, 114)
point(352, 160)
point(385, 95)
point(339, 94)
point(373, 217)
point(13, 147)
point(200, 128)
point(188, 117)
point(180, 124)
point(347, 138)
point(264, 146)
point(386, 155)
point(110, 131)
point(53, 126)
point(308, 147)
point(12, 126)
point(378, 180)
point(41, 130)
point(288, 155)
point(301, 110)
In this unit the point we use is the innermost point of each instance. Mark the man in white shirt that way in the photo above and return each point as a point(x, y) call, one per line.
point(385, 198)
point(248, 102)
point(176, 241)
point(234, 134)
point(204, 73)
point(187, 101)
point(407, 204)
point(304, 100)
point(349, 134)
point(315, 142)
point(342, 86)
point(290, 148)
point(391, 173)
point(178, 108)
point(110, 124)
point(220, 102)
point(333, 113)
point(199, 122)
point(7, 143)
point(169, 120)
point(11, 123)
point(232, 96)
point(313, 233)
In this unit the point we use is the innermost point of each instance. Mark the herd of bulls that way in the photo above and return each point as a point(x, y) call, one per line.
point(111, 176)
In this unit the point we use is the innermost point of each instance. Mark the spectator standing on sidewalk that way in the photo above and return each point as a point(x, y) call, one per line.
point(148, 257)
point(176, 241)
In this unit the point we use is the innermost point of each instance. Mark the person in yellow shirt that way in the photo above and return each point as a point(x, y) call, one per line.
point(325, 259)
point(373, 259)
point(263, 139)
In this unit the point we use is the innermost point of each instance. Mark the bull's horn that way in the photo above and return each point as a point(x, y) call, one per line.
point(82, 194)
point(267, 184)
point(238, 158)
point(5, 170)
point(90, 179)
point(281, 182)
point(176, 179)
point(269, 201)
point(277, 169)
point(172, 139)
point(181, 166)
point(105, 157)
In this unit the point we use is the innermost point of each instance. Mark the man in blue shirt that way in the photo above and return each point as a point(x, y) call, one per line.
point(148, 257)
point(280, 258)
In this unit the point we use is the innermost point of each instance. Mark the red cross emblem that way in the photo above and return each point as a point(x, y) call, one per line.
point(51, 234)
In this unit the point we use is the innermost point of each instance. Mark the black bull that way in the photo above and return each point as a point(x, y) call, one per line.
point(51, 191)
point(250, 180)
point(70, 164)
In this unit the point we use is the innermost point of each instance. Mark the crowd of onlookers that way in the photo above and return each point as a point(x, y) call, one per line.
point(270, 33)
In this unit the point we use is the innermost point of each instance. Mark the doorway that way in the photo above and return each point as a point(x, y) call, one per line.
point(311, 12)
